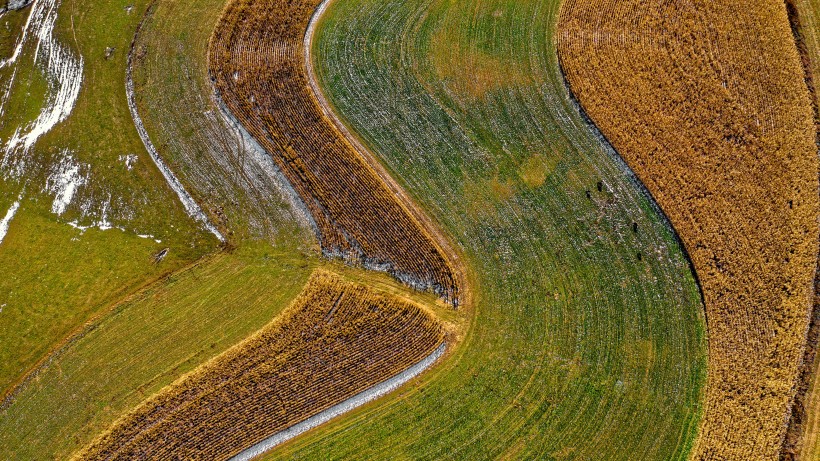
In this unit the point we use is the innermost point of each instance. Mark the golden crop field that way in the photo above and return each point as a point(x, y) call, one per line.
point(257, 61)
point(337, 339)
point(706, 102)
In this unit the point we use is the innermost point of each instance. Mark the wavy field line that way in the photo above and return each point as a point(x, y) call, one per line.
point(465, 104)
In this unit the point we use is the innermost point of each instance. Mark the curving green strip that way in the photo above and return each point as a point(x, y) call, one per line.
point(589, 339)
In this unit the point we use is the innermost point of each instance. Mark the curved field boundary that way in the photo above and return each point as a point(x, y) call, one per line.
point(802, 441)
point(708, 105)
point(188, 202)
point(257, 61)
point(234, 180)
point(338, 339)
point(357, 400)
point(586, 330)
point(456, 264)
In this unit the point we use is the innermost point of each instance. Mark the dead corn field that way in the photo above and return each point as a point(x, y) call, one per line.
point(706, 102)
point(337, 339)
point(257, 62)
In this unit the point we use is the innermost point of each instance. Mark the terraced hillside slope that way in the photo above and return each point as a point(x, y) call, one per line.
point(336, 340)
point(707, 102)
point(588, 327)
point(258, 64)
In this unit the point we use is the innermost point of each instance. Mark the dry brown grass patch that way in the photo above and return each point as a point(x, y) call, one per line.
point(706, 102)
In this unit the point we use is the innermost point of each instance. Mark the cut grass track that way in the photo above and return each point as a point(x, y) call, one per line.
point(588, 340)
point(145, 344)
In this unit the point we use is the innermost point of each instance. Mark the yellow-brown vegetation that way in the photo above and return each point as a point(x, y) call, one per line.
point(706, 101)
point(257, 61)
point(337, 339)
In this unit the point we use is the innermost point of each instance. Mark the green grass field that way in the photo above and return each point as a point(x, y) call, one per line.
point(585, 331)
point(60, 277)
point(147, 343)
point(589, 337)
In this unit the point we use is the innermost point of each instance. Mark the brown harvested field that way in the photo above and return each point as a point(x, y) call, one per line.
point(257, 61)
point(337, 339)
point(805, 15)
point(706, 101)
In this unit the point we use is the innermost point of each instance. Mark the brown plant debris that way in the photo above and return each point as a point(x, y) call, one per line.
point(706, 101)
point(257, 61)
point(337, 339)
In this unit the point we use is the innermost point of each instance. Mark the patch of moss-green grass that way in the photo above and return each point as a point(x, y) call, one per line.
point(147, 342)
point(58, 276)
point(11, 26)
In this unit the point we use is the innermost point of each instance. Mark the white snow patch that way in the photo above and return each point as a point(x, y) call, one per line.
point(4, 223)
point(129, 160)
point(61, 67)
point(357, 400)
point(64, 182)
point(149, 236)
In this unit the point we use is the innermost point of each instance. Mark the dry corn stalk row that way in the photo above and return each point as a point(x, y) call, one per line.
point(256, 59)
point(706, 102)
point(337, 339)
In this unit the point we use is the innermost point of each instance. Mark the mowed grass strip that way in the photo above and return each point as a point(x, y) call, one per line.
point(707, 102)
point(147, 343)
point(336, 340)
point(257, 60)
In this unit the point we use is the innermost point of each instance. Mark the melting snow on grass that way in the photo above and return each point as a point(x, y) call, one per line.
point(64, 182)
point(4, 223)
point(188, 202)
point(64, 72)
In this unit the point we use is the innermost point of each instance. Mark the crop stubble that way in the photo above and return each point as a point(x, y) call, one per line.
point(256, 58)
point(337, 339)
point(706, 102)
